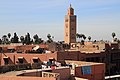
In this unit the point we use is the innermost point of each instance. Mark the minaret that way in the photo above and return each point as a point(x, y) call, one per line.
point(70, 26)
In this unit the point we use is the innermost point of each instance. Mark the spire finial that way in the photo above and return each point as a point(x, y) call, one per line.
point(70, 5)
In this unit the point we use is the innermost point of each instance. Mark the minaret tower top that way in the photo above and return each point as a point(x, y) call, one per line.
point(70, 10)
point(70, 26)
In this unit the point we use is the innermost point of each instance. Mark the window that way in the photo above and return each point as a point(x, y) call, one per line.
point(6, 60)
point(20, 59)
point(72, 28)
point(88, 59)
point(66, 20)
point(35, 59)
point(72, 36)
point(66, 34)
point(93, 59)
point(72, 20)
point(86, 70)
point(66, 26)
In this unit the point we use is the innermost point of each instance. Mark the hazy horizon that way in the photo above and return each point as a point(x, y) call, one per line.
point(95, 18)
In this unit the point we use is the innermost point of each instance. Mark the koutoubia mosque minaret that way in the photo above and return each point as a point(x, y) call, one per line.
point(70, 26)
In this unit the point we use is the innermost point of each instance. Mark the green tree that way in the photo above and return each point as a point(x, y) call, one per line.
point(40, 40)
point(0, 41)
point(89, 38)
point(15, 38)
point(27, 39)
point(9, 35)
point(79, 35)
point(82, 42)
point(35, 37)
point(49, 38)
point(12, 40)
point(113, 34)
point(5, 39)
point(84, 37)
point(22, 39)
point(37, 40)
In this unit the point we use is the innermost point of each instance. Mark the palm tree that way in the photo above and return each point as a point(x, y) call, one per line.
point(9, 35)
point(48, 36)
point(84, 37)
point(80, 35)
point(77, 35)
point(89, 38)
point(113, 34)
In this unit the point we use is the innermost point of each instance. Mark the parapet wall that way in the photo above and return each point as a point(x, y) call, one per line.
point(25, 78)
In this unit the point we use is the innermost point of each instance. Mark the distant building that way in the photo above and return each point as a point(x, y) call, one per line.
point(70, 26)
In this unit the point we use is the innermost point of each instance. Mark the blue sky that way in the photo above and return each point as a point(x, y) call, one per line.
point(95, 18)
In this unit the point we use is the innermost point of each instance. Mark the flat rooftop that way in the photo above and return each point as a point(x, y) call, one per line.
point(82, 63)
point(76, 78)
point(96, 51)
point(15, 73)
